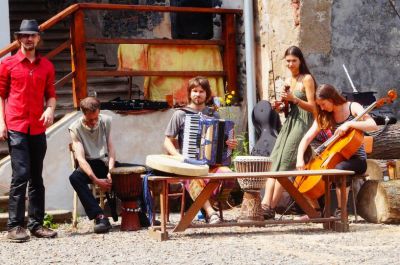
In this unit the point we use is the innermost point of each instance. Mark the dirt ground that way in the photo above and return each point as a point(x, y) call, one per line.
point(366, 243)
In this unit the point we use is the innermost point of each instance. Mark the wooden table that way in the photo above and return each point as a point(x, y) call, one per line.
point(330, 223)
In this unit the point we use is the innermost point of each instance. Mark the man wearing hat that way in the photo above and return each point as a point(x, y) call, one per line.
point(26, 80)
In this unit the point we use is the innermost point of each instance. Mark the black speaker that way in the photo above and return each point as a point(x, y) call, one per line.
point(198, 26)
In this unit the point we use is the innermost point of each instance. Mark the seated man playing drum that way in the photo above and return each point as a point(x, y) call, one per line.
point(199, 92)
point(94, 151)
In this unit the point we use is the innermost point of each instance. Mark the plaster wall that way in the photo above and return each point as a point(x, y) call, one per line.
point(4, 24)
point(276, 29)
point(134, 137)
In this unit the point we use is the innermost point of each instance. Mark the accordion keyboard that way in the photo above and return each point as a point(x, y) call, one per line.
point(204, 139)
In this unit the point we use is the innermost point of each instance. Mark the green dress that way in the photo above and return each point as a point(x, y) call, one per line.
point(298, 121)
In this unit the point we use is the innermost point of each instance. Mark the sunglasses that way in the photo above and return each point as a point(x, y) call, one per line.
point(27, 36)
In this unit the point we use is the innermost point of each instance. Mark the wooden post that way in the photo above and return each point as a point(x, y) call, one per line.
point(230, 62)
point(78, 58)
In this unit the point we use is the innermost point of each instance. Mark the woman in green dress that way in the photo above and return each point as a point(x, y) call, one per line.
point(301, 99)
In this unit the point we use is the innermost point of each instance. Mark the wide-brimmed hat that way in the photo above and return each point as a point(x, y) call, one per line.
point(28, 26)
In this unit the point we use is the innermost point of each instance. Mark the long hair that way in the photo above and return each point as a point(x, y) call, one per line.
point(199, 81)
point(325, 119)
point(303, 70)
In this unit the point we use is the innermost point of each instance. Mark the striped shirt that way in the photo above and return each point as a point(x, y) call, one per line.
point(361, 151)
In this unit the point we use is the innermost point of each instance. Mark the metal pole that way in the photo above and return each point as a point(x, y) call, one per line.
point(250, 66)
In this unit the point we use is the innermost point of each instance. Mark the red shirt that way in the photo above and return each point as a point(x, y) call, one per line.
point(25, 86)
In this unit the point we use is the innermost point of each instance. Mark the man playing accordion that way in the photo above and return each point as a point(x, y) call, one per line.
point(199, 92)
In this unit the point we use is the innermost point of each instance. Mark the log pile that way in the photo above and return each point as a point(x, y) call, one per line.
point(379, 201)
point(387, 145)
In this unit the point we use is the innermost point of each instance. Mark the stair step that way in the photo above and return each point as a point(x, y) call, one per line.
point(59, 216)
point(33, 7)
point(61, 26)
point(39, 16)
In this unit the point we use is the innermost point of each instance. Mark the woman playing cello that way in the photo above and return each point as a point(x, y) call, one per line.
point(337, 114)
point(300, 96)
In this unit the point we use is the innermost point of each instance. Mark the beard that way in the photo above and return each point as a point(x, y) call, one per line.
point(29, 47)
point(198, 101)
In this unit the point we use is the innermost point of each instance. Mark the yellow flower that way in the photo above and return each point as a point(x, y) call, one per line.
point(233, 92)
point(230, 96)
point(228, 101)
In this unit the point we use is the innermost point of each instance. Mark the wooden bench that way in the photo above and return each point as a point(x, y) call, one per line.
point(330, 223)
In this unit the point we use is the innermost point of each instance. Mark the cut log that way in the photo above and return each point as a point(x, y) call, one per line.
point(374, 170)
point(386, 145)
point(379, 201)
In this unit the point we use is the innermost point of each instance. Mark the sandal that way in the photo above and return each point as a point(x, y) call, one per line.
point(268, 212)
point(338, 212)
point(214, 218)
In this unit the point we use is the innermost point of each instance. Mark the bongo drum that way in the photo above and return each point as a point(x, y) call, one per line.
point(251, 205)
point(127, 184)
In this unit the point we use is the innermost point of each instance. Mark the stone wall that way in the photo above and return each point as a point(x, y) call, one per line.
point(363, 35)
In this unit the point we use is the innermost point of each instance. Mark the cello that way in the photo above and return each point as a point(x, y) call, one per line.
point(335, 150)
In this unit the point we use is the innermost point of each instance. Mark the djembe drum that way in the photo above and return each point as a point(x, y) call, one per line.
point(251, 205)
point(127, 184)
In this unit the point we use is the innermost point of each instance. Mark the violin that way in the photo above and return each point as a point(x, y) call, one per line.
point(282, 105)
point(335, 150)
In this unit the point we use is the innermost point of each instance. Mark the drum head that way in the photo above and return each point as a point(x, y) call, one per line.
point(128, 170)
point(170, 164)
point(252, 158)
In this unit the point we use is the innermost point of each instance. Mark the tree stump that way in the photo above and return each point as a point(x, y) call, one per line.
point(379, 201)
point(374, 170)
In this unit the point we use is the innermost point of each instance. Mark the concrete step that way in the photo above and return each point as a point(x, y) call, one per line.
point(59, 216)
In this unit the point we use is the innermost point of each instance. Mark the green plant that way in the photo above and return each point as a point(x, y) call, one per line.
point(242, 148)
point(49, 222)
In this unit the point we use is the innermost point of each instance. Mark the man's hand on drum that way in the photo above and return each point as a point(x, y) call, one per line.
point(109, 178)
point(232, 143)
point(104, 184)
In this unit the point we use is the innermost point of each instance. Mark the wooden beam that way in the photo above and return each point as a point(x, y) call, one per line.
point(159, 8)
point(230, 61)
point(68, 77)
point(154, 41)
point(155, 73)
point(59, 49)
point(78, 58)
point(9, 48)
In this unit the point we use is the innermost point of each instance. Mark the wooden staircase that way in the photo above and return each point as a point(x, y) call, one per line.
point(106, 88)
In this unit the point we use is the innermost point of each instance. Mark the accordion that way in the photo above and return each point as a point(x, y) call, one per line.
point(204, 139)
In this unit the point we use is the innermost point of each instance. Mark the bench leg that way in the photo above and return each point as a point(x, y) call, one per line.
point(353, 197)
point(154, 232)
point(343, 224)
point(196, 206)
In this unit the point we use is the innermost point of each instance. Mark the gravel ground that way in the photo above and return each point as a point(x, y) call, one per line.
point(274, 244)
